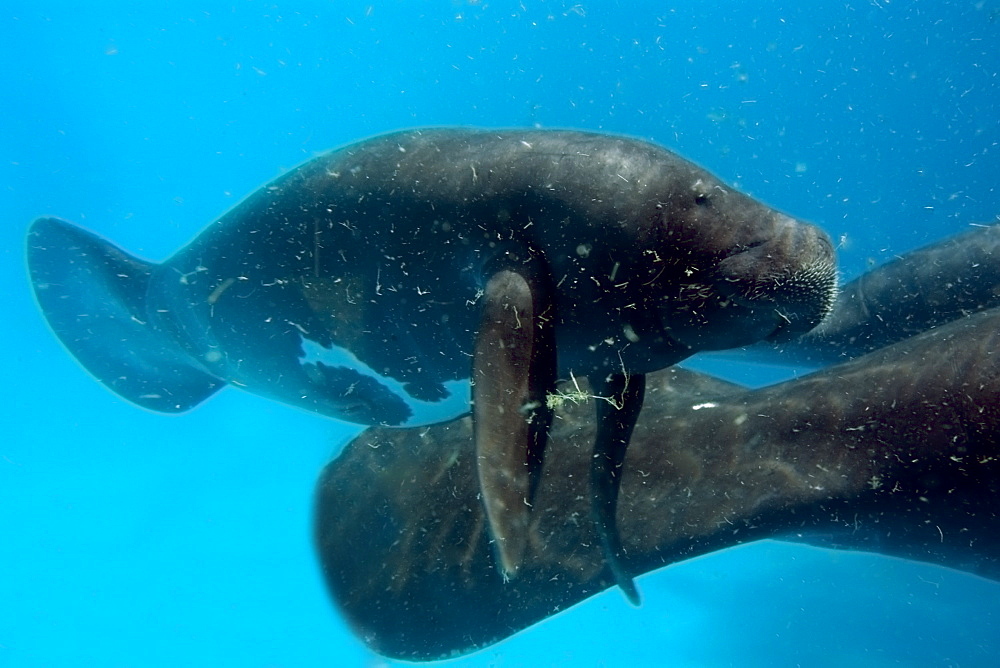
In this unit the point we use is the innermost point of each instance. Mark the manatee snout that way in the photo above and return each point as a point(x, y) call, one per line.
point(790, 277)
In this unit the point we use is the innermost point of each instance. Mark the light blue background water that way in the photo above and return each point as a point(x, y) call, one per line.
point(134, 539)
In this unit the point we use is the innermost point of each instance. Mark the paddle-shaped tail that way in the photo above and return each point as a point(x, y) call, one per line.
point(93, 295)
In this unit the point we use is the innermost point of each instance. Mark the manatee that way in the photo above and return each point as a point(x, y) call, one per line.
point(407, 279)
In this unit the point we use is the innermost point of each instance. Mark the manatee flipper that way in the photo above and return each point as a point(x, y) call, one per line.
point(94, 297)
point(619, 401)
point(513, 369)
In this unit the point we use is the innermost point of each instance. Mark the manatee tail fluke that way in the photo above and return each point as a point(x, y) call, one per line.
point(94, 297)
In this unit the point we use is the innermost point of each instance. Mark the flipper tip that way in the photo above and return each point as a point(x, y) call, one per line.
point(510, 554)
point(623, 580)
point(627, 585)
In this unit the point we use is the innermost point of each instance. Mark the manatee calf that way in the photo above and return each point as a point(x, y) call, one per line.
point(402, 279)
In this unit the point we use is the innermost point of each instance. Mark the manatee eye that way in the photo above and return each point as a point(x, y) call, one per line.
point(701, 200)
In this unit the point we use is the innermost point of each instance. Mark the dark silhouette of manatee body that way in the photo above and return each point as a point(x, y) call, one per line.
point(372, 283)
point(894, 451)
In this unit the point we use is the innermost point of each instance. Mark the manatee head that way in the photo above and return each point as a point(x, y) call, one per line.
point(738, 271)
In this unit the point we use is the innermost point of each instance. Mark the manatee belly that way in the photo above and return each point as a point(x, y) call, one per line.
point(343, 373)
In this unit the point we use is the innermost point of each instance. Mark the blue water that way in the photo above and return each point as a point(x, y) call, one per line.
point(134, 539)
